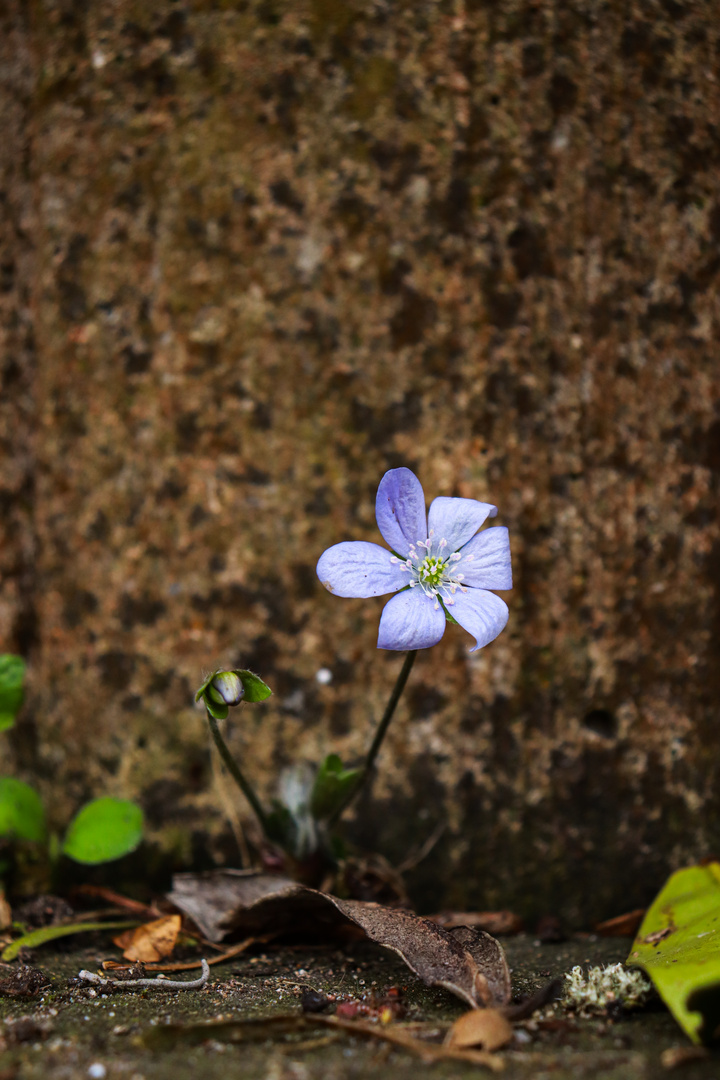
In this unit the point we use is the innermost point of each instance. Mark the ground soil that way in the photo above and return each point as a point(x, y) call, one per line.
point(80, 1032)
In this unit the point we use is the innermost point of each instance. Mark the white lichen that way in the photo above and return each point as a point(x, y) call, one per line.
point(592, 991)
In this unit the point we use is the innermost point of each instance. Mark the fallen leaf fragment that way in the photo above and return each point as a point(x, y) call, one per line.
point(5, 912)
point(490, 959)
point(467, 962)
point(678, 946)
point(675, 1057)
point(487, 1028)
point(622, 925)
point(152, 941)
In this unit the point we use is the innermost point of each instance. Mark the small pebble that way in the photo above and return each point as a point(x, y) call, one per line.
point(97, 1071)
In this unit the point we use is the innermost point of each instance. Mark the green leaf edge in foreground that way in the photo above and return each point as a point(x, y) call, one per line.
point(21, 812)
point(103, 830)
point(678, 947)
point(12, 678)
point(50, 933)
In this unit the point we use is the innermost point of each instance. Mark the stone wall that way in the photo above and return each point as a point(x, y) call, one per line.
point(263, 251)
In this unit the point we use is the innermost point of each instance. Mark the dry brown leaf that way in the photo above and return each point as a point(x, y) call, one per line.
point(5, 913)
point(677, 1057)
point(490, 959)
point(487, 1028)
point(467, 962)
point(626, 925)
point(151, 942)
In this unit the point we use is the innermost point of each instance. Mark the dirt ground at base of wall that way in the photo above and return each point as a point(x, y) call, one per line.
point(76, 1031)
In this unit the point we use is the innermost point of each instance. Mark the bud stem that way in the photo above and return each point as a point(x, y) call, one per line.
point(237, 775)
point(379, 735)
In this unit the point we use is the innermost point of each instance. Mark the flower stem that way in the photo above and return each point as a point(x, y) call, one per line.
point(379, 735)
point(234, 769)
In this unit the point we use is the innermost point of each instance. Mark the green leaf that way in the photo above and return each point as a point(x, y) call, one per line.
point(51, 933)
point(21, 813)
point(12, 678)
point(255, 688)
point(332, 786)
point(678, 946)
point(102, 830)
point(215, 709)
point(203, 688)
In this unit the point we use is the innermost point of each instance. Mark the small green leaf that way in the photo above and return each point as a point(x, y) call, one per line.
point(255, 688)
point(678, 946)
point(332, 786)
point(21, 813)
point(102, 830)
point(39, 937)
point(12, 678)
point(203, 688)
point(218, 711)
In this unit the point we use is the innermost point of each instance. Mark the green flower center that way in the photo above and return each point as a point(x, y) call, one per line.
point(431, 570)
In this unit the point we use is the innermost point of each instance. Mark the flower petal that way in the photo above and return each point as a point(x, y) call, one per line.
point(485, 562)
point(481, 613)
point(356, 568)
point(456, 520)
point(400, 510)
point(411, 621)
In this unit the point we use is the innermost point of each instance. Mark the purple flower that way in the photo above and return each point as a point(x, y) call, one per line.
point(439, 566)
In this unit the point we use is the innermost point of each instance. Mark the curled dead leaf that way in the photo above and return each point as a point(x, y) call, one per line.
point(487, 1028)
point(467, 962)
point(150, 942)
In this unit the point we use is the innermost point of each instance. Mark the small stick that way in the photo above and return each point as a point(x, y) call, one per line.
point(155, 984)
point(235, 950)
point(428, 1052)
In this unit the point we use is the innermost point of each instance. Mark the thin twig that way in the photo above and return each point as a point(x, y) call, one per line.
point(413, 860)
point(117, 899)
point(154, 984)
point(228, 954)
point(428, 1052)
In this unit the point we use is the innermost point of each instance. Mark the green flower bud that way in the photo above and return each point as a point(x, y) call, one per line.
point(226, 689)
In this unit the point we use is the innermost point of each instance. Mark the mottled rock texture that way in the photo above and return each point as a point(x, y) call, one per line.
point(254, 254)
